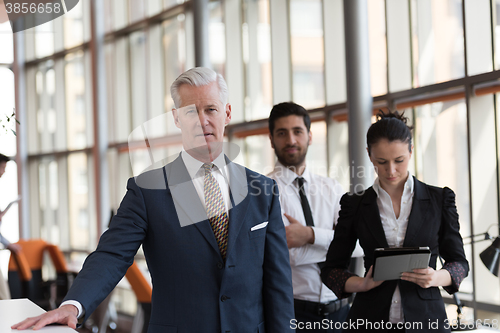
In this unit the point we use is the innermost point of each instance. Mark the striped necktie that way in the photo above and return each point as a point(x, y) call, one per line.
point(216, 209)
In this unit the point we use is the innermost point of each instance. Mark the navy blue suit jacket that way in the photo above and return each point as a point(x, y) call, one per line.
point(194, 290)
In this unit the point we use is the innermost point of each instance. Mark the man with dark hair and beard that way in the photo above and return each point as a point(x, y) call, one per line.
point(310, 207)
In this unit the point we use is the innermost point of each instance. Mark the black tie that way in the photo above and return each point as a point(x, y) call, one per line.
point(307, 209)
point(305, 203)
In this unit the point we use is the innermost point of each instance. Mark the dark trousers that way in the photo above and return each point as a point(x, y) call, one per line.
point(320, 324)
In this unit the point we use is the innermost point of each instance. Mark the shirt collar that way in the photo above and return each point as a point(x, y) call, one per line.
point(288, 176)
point(193, 165)
point(409, 185)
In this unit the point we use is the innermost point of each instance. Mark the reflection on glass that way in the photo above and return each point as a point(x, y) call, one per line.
point(73, 26)
point(378, 47)
point(441, 155)
point(217, 38)
point(438, 46)
point(256, 31)
point(78, 201)
point(306, 28)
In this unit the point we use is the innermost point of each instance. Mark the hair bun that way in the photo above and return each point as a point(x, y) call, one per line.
point(381, 115)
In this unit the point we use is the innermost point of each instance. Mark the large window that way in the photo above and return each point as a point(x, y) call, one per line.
point(438, 45)
point(307, 52)
point(435, 59)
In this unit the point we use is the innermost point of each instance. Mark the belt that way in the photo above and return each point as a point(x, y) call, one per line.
point(321, 309)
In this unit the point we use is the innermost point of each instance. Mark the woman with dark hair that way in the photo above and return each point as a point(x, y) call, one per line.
point(397, 211)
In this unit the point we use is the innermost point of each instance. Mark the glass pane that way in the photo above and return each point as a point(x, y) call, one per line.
point(378, 47)
point(73, 26)
point(109, 54)
point(441, 156)
point(217, 37)
point(170, 3)
point(78, 201)
point(256, 38)
point(121, 90)
point(138, 83)
point(120, 13)
point(76, 108)
point(339, 151)
point(108, 16)
point(316, 153)
point(174, 49)
point(306, 29)
point(154, 7)
point(257, 153)
point(45, 105)
point(438, 46)
point(7, 108)
point(48, 192)
point(6, 43)
point(136, 10)
point(44, 39)
point(496, 25)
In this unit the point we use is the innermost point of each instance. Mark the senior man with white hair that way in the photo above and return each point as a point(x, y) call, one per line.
point(211, 232)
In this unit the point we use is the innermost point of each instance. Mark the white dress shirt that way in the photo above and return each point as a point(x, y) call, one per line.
point(197, 174)
point(395, 231)
point(324, 196)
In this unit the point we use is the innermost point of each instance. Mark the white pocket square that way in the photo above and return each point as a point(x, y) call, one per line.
point(259, 226)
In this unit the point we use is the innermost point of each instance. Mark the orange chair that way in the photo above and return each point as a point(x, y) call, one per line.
point(143, 293)
point(47, 294)
point(21, 283)
point(107, 316)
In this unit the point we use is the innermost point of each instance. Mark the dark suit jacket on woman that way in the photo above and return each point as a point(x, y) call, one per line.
point(194, 290)
point(433, 222)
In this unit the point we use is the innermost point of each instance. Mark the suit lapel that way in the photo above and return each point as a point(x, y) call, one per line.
point(238, 186)
point(418, 215)
point(188, 207)
point(371, 216)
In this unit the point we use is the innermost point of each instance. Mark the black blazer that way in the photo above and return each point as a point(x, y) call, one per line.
point(433, 222)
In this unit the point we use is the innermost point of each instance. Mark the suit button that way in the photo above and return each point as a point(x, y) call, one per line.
point(220, 265)
point(224, 298)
